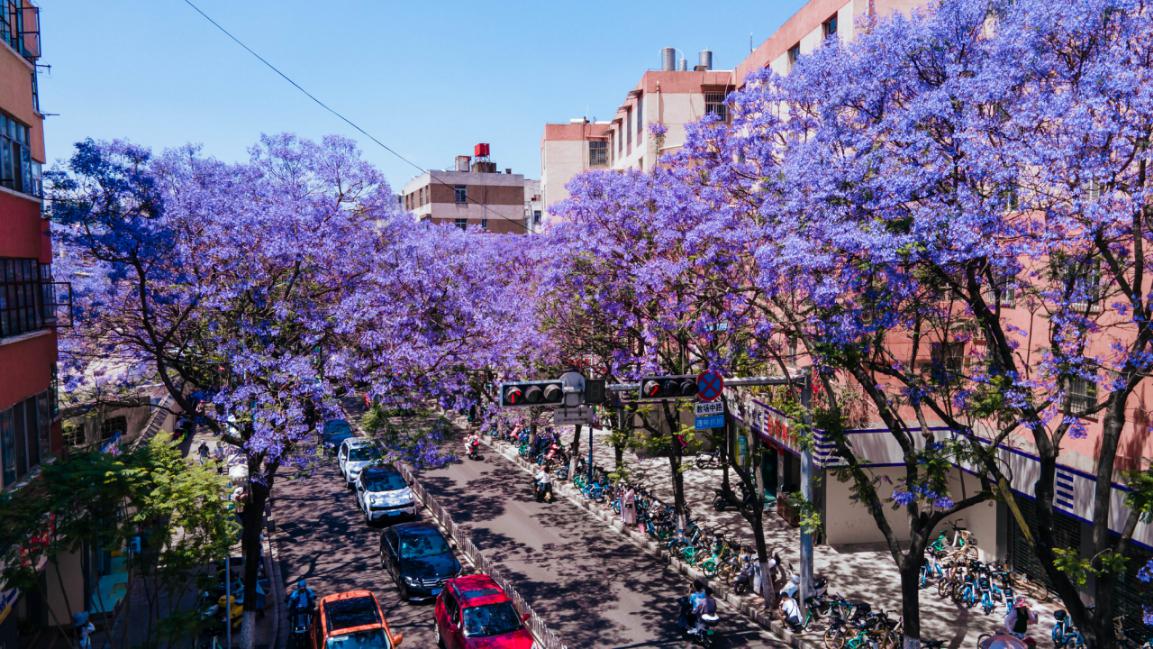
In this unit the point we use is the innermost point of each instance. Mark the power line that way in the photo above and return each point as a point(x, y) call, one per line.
point(337, 113)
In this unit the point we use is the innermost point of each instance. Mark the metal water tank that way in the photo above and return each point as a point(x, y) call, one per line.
point(706, 60)
point(669, 59)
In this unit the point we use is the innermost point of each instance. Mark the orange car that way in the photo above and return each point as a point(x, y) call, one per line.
point(351, 620)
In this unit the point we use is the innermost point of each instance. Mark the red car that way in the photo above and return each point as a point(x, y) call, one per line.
point(351, 620)
point(473, 612)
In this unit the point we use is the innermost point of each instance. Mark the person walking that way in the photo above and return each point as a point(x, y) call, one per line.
point(202, 451)
point(629, 508)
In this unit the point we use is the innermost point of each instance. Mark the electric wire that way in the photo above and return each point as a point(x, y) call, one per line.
point(523, 223)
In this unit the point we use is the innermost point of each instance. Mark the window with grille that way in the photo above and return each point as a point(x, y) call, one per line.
point(462, 223)
point(1004, 288)
point(23, 434)
point(598, 153)
point(715, 105)
point(1079, 281)
point(829, 27)
point(1082, 395)
point(113, 426)
point(946, 362)
point(17, 169)
point(1092, 190)
point(25, 296)
point(460, 193)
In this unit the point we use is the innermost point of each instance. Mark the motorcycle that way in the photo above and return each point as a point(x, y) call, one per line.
point(725, 498)
point(542, 491)
point(299, 624)
point(706, 634)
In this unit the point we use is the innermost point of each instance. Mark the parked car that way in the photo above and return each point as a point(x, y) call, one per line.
point(333, 433)
point(356, 453)
point(473, 611)
point(419, 558)
point(352, 620)
point(382, 492)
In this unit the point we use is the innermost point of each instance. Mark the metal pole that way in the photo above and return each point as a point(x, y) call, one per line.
point(591, 453)
point(228, 600)
point(807, 470)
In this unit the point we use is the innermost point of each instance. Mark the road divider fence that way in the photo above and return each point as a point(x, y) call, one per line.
point(545, 637)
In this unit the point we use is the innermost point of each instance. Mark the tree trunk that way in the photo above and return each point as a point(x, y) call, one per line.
point(574, 450)
point(1042, 533)
point(910, 596)
point(768, 589)
point(675, 467)
point(252, 521)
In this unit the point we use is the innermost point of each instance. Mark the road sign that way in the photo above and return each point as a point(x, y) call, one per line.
point(710, 385)
point(709, 414)
point(571, 416)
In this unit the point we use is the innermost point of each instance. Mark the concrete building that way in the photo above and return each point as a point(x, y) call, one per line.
point(533, 205)
point(473, 193)
point(668, 96)
point(29, 424)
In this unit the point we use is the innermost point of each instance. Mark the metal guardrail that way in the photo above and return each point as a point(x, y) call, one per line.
point(545, 637)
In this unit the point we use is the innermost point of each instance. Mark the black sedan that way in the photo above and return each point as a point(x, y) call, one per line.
point(419, 558)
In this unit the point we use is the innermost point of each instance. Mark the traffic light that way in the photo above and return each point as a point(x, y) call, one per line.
point(668, 387)
point(531, 393)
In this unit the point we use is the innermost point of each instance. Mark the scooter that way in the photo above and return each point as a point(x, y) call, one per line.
point(299, 624)
point(474, 449)
point(542, 491)
point(706, 634)
point(725, 498)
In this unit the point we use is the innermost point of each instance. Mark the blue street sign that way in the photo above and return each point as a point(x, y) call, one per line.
point(709, 422)
point(710, 385)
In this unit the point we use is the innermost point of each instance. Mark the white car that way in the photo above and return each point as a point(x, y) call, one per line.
point(356, 453)
point(382, 492)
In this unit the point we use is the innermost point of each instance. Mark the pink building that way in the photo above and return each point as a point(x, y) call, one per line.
point(677, 97)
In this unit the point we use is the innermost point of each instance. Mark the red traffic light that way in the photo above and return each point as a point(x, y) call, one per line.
point(668, 387)
point(651, 389)
point(513, 396)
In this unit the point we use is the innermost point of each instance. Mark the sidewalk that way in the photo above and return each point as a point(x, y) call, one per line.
point(862, 574)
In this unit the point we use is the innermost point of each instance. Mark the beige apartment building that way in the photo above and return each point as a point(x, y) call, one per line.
point(473, 193)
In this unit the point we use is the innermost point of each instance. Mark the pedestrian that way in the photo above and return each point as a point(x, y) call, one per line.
point(790, 612)
point(1018, 619)
point(629, 508)
point(202, 451)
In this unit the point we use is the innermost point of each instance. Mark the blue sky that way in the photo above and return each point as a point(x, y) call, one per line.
point(429, 79)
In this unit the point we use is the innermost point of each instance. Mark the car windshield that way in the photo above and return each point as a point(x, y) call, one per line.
point(348, 613)
point(492, 619)
point(371, 639)
point(416, 546)
point(363, 453)
point(384, 482)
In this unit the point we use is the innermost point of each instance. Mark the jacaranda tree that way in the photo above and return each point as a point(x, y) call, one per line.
point(224, 280)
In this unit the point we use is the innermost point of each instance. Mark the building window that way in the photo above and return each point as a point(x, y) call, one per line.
point(620, 141)
point(536, 216)
point(629, 130)
point(25, 296)
point(23, 434)
point(17, 170)
point(462, 224)
point(35, 93)
point(829, 27)
point(460, 192)
point(484, 223)
point(715, 105)
point(1082, 395)
point(1079, 281)
point(640, 118)
point(598, 153)
point(1092, 190)
point(1004, 287)
point(794, 55)
point(946, 361)
point(113, 427)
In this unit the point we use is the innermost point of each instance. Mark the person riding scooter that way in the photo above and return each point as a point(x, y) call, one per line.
point(472, 446)
point(542, 485)
point(302, 598)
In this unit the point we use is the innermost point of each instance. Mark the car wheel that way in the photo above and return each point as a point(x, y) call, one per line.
point(403, 591)
point(439, 640)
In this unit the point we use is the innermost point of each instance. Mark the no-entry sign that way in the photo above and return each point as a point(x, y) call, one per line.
point(710, 385)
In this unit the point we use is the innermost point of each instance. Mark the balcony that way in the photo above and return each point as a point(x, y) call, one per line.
point(20, 27)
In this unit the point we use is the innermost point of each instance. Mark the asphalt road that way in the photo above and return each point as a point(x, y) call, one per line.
point(322, 537)
point(591, 586)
